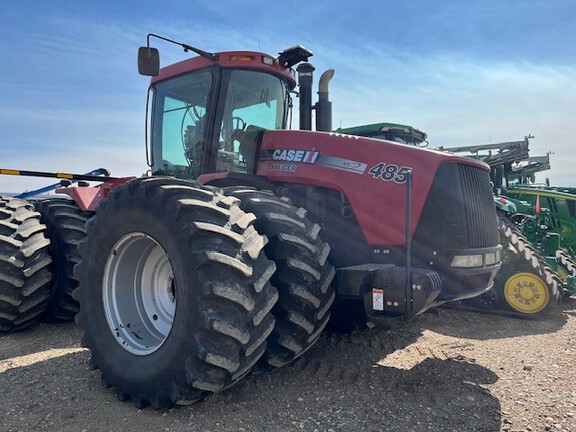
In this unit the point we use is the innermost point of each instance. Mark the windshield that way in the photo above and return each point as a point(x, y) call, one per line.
point(192, 135)
point(254, 102)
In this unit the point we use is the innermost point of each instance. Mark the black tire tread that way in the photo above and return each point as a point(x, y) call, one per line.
point(303, 274)
point(65, 223)
point(24, 264)
point(567, 263)
point(234, 302)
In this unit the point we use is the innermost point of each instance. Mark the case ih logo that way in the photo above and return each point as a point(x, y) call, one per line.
point(303, 156)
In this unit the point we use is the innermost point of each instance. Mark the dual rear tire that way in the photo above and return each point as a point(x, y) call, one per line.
point(25, 277)
point(176, 294)
point(65, 228)
point(303, 276)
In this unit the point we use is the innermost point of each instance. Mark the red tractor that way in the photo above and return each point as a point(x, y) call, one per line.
point(234, 251)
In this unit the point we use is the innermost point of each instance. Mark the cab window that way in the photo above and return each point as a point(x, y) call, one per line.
point(179, 124)
point(255, 102)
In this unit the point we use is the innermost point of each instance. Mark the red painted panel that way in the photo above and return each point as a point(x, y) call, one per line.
point(88, 198)
point(369, 172)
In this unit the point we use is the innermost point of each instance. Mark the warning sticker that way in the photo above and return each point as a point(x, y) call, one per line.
point(378, 299)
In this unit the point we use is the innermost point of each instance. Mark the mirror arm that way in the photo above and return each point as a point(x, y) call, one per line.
point(186, 47)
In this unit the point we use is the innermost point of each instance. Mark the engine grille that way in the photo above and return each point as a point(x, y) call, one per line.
point(459, 212)
point(479, 206)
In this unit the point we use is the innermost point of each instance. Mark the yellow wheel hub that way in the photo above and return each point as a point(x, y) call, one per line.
point(526, 293)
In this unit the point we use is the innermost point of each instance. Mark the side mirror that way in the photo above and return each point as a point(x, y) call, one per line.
point(148, 61)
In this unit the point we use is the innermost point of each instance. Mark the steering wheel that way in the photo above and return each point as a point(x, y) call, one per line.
point(238, 123)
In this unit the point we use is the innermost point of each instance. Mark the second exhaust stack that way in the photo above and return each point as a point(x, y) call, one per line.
point(324, 106)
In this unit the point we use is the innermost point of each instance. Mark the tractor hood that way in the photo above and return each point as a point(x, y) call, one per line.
point(372, 174)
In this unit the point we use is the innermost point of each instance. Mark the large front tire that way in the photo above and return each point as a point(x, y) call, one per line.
point(303, 276)
point(24, 260)
point(174, 292)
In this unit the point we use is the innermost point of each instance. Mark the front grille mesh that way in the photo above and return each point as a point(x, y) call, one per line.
point(479, 206)
point(459, 212)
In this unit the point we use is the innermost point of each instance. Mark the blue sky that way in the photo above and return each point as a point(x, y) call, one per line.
point(466, 72)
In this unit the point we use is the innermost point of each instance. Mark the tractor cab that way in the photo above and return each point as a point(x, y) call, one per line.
point(208, 112)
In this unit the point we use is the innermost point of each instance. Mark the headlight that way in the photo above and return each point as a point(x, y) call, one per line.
point(491, 258)
point(466, 261)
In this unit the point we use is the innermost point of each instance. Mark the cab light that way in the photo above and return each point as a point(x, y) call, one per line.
point(242, 58)
point(268, 60)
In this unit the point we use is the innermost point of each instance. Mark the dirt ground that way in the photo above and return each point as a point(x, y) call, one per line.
point(447, 370)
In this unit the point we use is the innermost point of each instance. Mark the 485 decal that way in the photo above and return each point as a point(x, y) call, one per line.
point(390, 172)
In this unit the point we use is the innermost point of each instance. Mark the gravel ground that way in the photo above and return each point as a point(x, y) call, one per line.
point(447, 370)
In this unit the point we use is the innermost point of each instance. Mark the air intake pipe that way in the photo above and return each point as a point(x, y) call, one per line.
point(324, 106)
point(305, 74)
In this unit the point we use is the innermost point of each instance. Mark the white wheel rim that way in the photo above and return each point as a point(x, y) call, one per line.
point(139, 294)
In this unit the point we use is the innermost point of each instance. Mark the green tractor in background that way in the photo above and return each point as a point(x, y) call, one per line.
point(536, 270)
point(546, 216)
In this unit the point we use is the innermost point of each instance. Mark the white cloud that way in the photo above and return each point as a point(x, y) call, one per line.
point(460, 101)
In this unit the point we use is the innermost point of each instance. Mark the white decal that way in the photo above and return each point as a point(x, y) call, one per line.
point(302, 156)
point(342, 164)
point(378, 299)
point(390, 172)
point(344, 135)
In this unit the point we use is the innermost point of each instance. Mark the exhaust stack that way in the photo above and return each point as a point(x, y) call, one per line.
point(324, 106)
point(305, 74)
